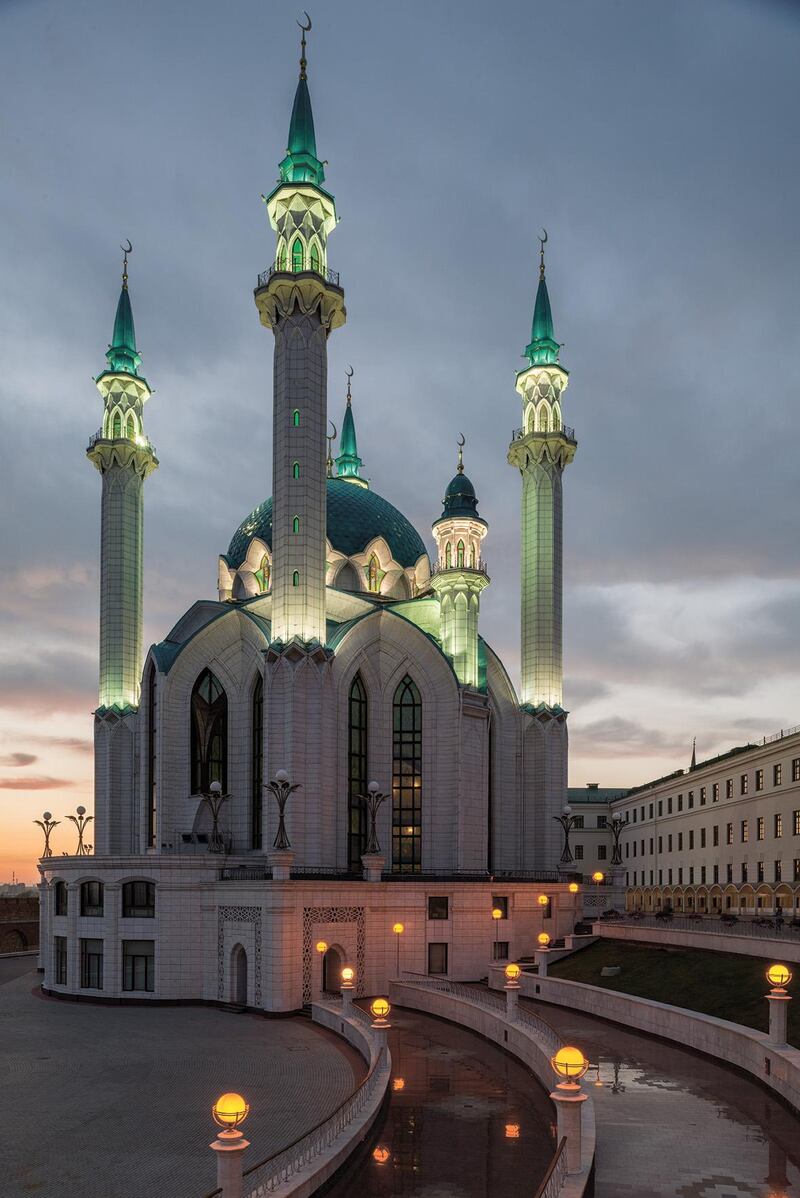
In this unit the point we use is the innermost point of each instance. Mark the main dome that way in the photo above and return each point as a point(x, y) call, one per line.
point(355, 517)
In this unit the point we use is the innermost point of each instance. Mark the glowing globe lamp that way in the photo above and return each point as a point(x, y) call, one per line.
point(399, 1083)
point(573, 887)
point(322, 946)
point(380, 1008)
point(497, 913)
point(779, 976)
point(512, 971)
point(598, 877)
point(543, 900)
point(230, 1110)
point(348, 973)
point(398, 929)
point(543, 939)
point(380, 1155)
point(569, 1064)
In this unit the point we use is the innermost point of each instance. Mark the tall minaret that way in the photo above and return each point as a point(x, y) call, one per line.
point(301, 301)
point(540, 450)
point(124, 457)
point(460, 575)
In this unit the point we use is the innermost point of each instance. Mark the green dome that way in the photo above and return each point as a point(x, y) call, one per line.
point(355, 516)
point(460, 499)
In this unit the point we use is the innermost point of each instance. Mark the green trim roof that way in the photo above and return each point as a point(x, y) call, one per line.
point(348, 462)
point(355, 517)
point(122, 356)
point(543, 348)
point(301, 164)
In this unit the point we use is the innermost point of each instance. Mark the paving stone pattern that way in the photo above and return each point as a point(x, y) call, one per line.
point(114, 1102)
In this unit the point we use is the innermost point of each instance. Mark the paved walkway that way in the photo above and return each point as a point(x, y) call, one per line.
point(673, 1124)
point(114, 1102)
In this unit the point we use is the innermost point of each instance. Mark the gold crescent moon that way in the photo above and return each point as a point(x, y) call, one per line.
point(333, 435)
point(307, 27)
point(129, 249)
point(543, 240)
point(462, 441)
point(349, 372)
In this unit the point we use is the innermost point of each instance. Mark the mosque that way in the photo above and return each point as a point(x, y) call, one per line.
point(326, 763)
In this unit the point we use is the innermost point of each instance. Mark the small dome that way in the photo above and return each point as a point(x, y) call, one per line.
point(460, 499)
point(355, 517)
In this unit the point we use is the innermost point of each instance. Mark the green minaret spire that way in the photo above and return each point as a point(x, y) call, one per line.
point(121, 354)
point(301, 164)
point(348, 462)
point(543, 348)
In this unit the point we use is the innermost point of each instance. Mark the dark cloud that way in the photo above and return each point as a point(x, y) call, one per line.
point(37, 783)
point(18, 759)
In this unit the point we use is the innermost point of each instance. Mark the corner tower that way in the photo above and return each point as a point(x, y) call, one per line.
point(540, 450)
point(124, 456)
point(460, 575)
point(300, 299)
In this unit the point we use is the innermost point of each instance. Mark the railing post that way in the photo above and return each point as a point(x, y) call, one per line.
point(229, 1146)
point(568, 1108)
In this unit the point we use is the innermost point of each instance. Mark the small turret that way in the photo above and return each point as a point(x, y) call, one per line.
point(460, 574)
point(348, 463)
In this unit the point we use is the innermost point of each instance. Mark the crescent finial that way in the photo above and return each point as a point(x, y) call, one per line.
point(461, 443)
point(334, 434)
point(305, 28)
point(542, 244)
point(125, 250)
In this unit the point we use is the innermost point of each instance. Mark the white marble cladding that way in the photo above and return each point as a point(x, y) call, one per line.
point(200, 922)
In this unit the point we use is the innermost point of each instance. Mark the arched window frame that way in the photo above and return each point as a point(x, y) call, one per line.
point(257, 763)
point(208, 734)
point(295, 470)
point(315, 257)
point(295, 525)
point(130, 426)
point(116, 424)
point(407, 778)
point(460, 555)
point(91, 897)
point(298, 255)
point(296, 418)
point(280, 260)
point(139, 899)
point(296, 578)
point(60, 898)
point(373, 581)
point(448, 556)
point(357, 733)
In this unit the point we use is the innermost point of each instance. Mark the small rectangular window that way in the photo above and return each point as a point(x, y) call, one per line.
point(60, 960)
point(745, 832)
point(91, 964)
point(778, 871)
point(680, 802)
point(777, 774)
point(778, 825)
point(743, 784)
point(602, 821)
point(669, 843)
point(796, 769)
point(702, 796)
point(729, 788)
point(715, 792)
point(729, 873)
point(691, 839)
point(691, 873)
point(760, 828)
point(796, 823)
point(702, 838)
point(579, 852)
point(669, 806)
point(759, 779)
point(680, 842)
point(715, 835)
point(690, 799)
point(660, 807)
point(501, 901)
point(729, 833)
point(437, 958)
point(760, 872)
point(680, 874)
point(138, 961)
point(438, 907)
point(577, 821)
point(744, 871)
point(139, 900)
point(650, 811)
point(669, 877)
point(797, 869)
point(601, 852)
point(702, 873)
point(716, 873)
point(660, 844)
point(91, 898)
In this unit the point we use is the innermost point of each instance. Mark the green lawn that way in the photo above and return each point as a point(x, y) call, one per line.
point(720, 984)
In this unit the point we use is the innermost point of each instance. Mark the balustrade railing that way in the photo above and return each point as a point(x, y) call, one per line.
point(556, 1175)
point(758, 927)
point(140, 439)
point(479, 567)
point(563, 430)
point(490, 1000)
point(330, 276)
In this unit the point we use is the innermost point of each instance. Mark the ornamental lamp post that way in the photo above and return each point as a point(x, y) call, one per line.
point(81, 822)
point(779, 977)
point(542, 950)
point(617, 824)
point(379, 1009)
point(512, 973)
point(214, 798)
point(47, 823)
point(372, 858)
point(567, 822)
point(229, 1111)
point(398, 929)
point(322, 947)
point(281, 856)
point(598, 877)
point(348, 975)
point(497, 915)
point(569, 1065)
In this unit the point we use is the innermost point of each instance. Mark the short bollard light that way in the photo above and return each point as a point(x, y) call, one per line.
point(543, 940)
point(779, 977)
point(229, 1111)
point(569, 1064)
point(380, 1008)
point(512, 972)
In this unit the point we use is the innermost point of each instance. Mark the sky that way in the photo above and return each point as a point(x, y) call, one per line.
point(656, 143)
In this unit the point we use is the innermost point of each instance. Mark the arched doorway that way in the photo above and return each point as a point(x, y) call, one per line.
point(239, 976)
point(332, 964)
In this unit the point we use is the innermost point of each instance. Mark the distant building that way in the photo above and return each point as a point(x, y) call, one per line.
point(19, 923)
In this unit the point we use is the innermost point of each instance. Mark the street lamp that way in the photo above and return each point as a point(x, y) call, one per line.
point(229, 1111)
point(569, 1065)
point(47, 823)
point(779, 977)
point(567, 822)
point(322, 947)
point(597, 877)
point(617, 824)
point(398, 929)
point(215, 798)
point(497, 915)
point(281, 788)
point(81, 822)
point(347, 975)
point(373, 801)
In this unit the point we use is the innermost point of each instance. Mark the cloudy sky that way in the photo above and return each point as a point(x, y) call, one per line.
point(657, 143)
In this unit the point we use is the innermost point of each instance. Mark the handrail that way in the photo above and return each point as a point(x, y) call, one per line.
point(563, 430)
point(556, 1174)
point(479, 567)
point(758, 928)
point(330, 276)
point(288, 1161)
point(490, 1000)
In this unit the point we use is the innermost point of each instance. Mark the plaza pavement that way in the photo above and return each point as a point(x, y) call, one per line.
point(114, 1102)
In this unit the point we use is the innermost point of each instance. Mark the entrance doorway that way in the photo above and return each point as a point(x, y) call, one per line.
point(332, 965)
point(239, 976)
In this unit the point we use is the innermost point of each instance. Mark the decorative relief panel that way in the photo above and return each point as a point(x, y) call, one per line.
point(312, 915)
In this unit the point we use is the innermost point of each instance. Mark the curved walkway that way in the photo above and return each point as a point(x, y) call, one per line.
point(117, 1100)
point(673, 1124)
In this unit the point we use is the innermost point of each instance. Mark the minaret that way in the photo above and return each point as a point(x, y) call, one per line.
point(301, 301)
point(124, 457)
point(460, 575)
point(348, 463)
point(540, 450)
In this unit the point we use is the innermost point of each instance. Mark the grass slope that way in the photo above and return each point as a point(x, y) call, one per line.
point(720, 984)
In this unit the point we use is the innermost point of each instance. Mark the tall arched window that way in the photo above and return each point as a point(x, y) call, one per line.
point(296, 524)
point(372, 574)
point(448, 555)
point(295, 469)
point(130, 429)
point(257, 763)
point(152, 808)
point(472, 556)
point(297, 255)
point(209, 734)
point(315, 258)
point(544, 418)
point(460, 555)
point(116, 427)
point(263, 574)
point(407, 778)
point(281, 263)
point(296, 578)
point(356, 773)
point(296, 418)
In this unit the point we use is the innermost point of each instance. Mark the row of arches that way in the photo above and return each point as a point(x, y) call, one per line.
point(461, 558)
point(209, 748)
point(544, 418)
point(299, 256)
point(715, 899)
point(118, 424)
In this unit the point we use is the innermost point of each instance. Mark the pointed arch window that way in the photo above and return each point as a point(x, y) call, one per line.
point(116, 425)
point(257, 763)
point(472, 557)
point(152, 792)
point(130, 427)
point(209, 734)
point(315, 258)
point(448, 555)
point(295, 469)
point(296, 418)
point(544, 418)
point(262, 574)
point(297, 255)
point(407, 778)
point(296, 578)
point(460, 555)
point(357, 716)
point(281, 263)
point(372, 574)
point(296, 525)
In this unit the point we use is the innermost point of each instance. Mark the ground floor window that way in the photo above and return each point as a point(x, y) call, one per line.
point(138, 964)
point(437, 958)
point(92, 964)
point(60, 960)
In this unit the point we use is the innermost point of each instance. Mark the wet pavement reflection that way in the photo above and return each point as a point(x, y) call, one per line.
point(465, 1120)
point(673, 1124)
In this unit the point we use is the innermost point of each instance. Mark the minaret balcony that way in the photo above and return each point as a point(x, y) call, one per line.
point(564, 431)
point(140, 440)
point(330, 276)
point(479, 567)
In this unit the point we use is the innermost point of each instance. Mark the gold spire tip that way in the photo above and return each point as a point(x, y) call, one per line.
point(125, 250)
point(349, 372)
point(461, 443)
point(304, 30)
point(542, 243)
